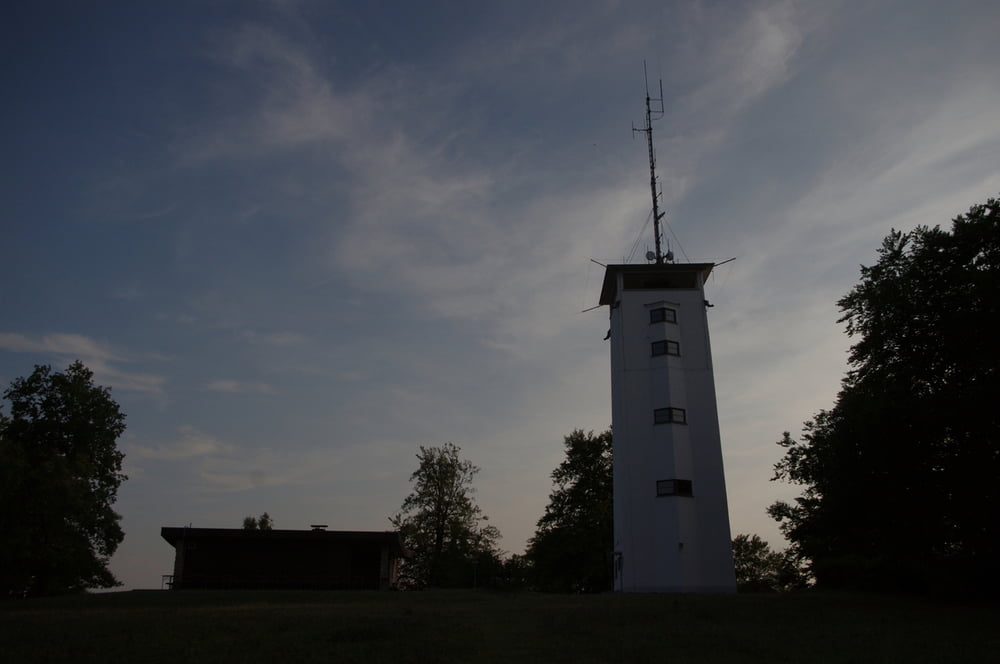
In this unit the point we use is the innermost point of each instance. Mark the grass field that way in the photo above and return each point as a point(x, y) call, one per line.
point(483, 626)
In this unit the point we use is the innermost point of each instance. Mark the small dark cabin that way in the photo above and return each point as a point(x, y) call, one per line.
point(284, 559)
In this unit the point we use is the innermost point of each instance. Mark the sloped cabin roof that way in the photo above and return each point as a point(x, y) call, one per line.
point(343, 537)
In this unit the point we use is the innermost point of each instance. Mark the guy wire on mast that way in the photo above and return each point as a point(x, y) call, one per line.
point(648, 130)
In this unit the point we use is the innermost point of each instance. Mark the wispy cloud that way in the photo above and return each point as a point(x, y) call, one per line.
point(61, 344)
point(204, 463)
point(281, 339)
point(239, 387)
point(99, 358)
point(421, 217)
point(293, 104)
point(191, 443)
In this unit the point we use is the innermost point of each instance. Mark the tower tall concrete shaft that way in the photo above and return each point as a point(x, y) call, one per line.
point(671, 520)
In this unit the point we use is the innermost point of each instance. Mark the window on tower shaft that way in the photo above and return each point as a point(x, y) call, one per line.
point(674, 488)
point(666, 348)
point(669, 416)
point(663, 315)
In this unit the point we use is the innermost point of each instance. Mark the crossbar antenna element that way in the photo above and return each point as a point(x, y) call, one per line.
point(654, 107)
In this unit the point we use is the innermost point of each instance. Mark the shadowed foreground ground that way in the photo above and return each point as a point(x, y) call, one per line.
point(459, 626)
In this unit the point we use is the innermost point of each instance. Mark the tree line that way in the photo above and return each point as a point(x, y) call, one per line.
point(451, 544)
point(571, 550)
point(900, 477)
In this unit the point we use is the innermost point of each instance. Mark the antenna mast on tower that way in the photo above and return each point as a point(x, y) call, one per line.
point(648, 130)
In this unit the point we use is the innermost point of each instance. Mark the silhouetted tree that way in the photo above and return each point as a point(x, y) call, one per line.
point(263, 522)
point(571, 548)
point(60, 470)
point(516, 572)
point(759, 569)
point(902, 476)
point(443, 527)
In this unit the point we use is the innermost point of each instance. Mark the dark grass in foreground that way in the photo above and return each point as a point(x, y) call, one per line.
point(467, 626)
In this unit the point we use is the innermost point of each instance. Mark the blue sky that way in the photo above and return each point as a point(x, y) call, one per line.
point(300, 239)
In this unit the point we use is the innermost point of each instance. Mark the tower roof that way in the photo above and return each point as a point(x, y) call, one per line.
point(654, 277)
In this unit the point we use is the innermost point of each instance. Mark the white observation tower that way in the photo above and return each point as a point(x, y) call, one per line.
point(671, 519)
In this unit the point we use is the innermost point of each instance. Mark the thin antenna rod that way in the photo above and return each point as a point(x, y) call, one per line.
point(648, 130)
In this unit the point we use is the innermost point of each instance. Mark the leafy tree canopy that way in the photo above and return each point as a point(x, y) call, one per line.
point(442, 526)
point(60, 470)
point(571, 548)
point(759, 569)
point(901, 476)
point(263, 522)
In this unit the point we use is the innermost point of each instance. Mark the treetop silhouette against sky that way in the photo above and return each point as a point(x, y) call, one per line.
point(300, 240)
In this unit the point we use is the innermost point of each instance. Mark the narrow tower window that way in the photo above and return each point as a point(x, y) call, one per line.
point(662, 315)
point(673, 488)
point(666, 348)
point(669, 416)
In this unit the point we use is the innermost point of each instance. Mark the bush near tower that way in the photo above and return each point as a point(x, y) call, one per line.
point(445, 531)
point(571, 548)
point(901, 476)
